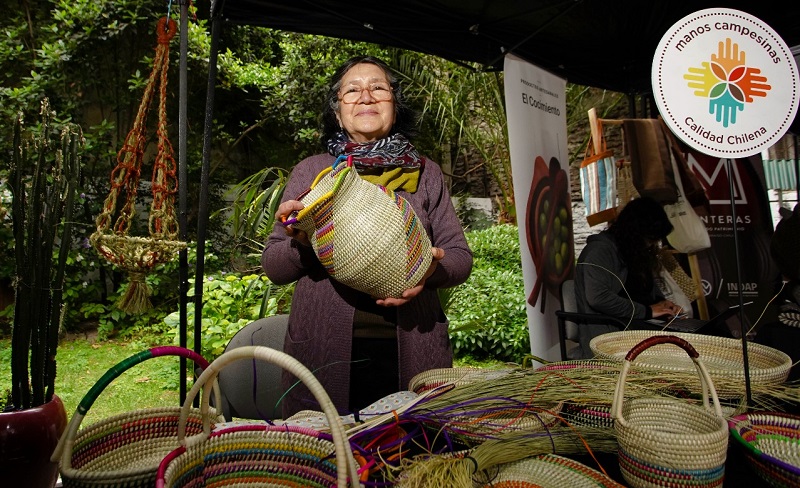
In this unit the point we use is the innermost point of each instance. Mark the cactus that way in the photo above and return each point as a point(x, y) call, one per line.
point(43, 180)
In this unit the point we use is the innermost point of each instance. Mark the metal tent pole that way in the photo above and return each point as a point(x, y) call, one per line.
point(729, 168)
point(202, 214)
point(183, 266)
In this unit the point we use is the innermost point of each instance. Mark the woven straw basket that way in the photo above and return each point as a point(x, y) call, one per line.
point(464, 375)
point(366, 236)
point(259, 454)
point(722, 356)
point(665, 442)
point(549, 471)
point(771, 442)
point(124, 450)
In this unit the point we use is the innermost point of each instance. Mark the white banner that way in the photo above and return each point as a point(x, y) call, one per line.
point(537, 134)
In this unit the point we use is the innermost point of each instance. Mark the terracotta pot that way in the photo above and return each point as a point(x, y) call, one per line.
point(27, 439)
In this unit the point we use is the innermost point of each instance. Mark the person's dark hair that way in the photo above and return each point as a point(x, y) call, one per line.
point(641, 223)
point(405, 121)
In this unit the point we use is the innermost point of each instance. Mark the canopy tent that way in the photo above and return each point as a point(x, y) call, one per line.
point(601, 43)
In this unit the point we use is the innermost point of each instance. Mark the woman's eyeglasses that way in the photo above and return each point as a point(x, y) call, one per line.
point(381, 92)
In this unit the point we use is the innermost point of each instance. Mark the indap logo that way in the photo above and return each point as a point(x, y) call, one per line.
point(727, 81)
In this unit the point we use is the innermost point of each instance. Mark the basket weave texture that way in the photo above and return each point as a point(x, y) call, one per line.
point(366, 236)
point(259, 455)
point(125, 450)
point(464, 375)
point(722, 356)
point(664, 442)
point(771, 442)
point(549, 471)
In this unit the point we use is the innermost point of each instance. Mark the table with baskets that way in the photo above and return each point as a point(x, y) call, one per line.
point(657, 441)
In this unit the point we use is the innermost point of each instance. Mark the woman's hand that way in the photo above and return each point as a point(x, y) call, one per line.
point(438, 254)
point(665, 307)
point(285, 209)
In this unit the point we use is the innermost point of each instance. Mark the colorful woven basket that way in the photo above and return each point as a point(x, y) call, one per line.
point(549, 471)
point(665, 442)
point(367, 236)
point(722, 356)
point(124, 451)
point(259, 455)
point(771, 442)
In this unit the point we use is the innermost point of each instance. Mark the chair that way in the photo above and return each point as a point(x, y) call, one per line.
point(569, 319)
point(251, 389)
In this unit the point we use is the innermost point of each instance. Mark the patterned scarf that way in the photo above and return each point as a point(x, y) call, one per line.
point(391, 162)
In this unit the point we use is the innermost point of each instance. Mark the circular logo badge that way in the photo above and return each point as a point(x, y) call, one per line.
point(725, 83)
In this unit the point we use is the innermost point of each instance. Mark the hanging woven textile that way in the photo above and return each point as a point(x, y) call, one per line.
point(139, 255)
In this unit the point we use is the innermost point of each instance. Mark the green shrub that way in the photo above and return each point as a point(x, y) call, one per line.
point(230, 302)
point(488, 317)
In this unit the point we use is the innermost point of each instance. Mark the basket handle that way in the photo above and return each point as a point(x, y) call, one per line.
point(345, 462)
point(63, 449)
point(662, 339)
point(706, 384)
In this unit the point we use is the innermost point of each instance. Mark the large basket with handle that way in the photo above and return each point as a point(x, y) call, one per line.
point(365, 235)
point(260, 454)
point(124, 451)
point(722, 357)
point(666, 442)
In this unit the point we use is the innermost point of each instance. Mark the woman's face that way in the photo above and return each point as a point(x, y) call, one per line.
point(369, 117)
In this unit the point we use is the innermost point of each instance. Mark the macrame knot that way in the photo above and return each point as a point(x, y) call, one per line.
point(166, 29)
point(139, 255)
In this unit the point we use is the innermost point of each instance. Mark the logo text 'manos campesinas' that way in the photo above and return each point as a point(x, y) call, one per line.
point(727, 82)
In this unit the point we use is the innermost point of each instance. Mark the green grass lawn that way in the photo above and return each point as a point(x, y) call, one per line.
point(82, 362)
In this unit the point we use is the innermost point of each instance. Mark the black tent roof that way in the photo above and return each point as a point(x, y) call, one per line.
point(602, 43)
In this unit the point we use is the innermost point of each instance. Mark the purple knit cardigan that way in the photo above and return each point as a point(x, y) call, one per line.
point(321, 319)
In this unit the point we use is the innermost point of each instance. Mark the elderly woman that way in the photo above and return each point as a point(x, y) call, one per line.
point(362, 348)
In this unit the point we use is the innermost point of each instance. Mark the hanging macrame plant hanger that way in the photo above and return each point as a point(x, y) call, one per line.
point(134, 254)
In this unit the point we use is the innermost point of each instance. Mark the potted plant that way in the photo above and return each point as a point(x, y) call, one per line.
point(43, 178)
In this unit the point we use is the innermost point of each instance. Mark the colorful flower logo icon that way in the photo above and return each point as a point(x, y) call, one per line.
point(727, 82)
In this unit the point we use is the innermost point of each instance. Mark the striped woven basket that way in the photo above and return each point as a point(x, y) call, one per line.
point(722, 356)
point(771, 443)
point(366, 236)
point(259, 454)
point(665, 442)
point(124, 451)
point(549, 471)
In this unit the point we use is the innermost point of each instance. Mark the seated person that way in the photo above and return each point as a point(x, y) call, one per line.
point(615, 270)
point(784, 334)
point(783, 249)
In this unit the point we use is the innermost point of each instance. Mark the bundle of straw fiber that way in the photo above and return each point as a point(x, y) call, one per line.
point(459, 471)
point(591, 383)
point(526, 402)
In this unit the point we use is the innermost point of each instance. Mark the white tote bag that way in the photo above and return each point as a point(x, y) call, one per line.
point(689, 233)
